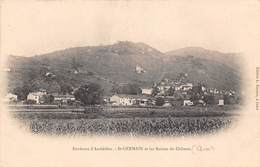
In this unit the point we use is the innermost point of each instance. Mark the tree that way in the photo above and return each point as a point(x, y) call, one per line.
point(89, 94)
point(65, 88)
point(48, 99)
point(133, 89)
point(170, 91)
point(155, 90)
point(22, 92)
point(197, 89)
point(49, 86)
point(196, 92)
point(159, 101)
point(229, 99)
point(210, 99)
point(114, 89)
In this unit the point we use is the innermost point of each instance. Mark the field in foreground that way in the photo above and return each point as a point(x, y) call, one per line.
point(123, 121)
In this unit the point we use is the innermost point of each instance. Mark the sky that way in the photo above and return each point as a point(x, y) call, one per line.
point(35, 27)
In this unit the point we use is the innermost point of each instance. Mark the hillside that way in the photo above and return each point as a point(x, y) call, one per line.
point(213, 68)
point(111, 65)
point(107, 65)
point(232, 60)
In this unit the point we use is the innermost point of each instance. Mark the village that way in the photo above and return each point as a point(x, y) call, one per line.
point(166, 93)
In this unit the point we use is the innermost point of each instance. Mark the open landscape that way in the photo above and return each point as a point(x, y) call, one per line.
point(126, 88)
point(128, 120)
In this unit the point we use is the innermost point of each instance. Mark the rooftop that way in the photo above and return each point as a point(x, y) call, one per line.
point(132, 96)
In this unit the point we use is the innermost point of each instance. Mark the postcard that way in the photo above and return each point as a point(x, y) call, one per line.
point(130, 83)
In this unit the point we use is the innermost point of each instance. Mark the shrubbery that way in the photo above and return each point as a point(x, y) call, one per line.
point(89, 94)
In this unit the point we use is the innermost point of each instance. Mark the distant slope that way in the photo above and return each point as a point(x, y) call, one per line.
point(108, 65)
point(213, 68)
point(230, 59)
point(111, 65)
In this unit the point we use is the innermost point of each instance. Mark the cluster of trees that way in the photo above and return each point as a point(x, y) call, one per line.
point(65, 89)
point(89, 94)
point(159, 101)
point(48, 99)
point(23, 91)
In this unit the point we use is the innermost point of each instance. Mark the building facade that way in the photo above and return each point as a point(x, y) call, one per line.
point(37, 96)
point(64, 99)
point(10, 98)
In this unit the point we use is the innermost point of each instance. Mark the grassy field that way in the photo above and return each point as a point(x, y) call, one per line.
point(130, 121)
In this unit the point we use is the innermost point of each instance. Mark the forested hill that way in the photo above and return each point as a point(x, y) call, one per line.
point(120, 63)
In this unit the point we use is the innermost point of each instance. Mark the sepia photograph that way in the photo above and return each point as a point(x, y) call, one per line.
point(129, 79)
point(126, 88)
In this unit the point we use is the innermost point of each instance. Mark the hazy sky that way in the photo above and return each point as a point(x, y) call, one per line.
point(29, 28)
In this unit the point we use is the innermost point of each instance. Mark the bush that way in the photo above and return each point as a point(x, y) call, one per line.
point(159, 101)
point(210, 99)
point(30, 102)
point(48, 99)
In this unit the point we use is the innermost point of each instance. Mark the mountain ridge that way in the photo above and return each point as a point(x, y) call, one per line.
point(110, 65)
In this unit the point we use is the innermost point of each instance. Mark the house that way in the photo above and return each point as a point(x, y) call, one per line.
point(167, 104)
point(187, 86)
point(187, 102)
point(129, 100)
point(139, 69)
point(122, 100)
point(163, 89)
point(142, 101)
point(203, 88)
point(211, 90)
point(65, 99)
point(147, 91)
point(221, 102)
point(37, 96)
point(10, 98)
point(7, 70)
point(49, 74)
point(216, 91)
point(106, 99)
point(183, 87)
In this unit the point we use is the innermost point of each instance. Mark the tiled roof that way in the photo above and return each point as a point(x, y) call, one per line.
point(132, 96)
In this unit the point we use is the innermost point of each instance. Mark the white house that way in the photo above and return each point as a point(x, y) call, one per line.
point(203, 88)
point(63, 98)
point(167, 104)
point(7, 70)
point(221, 102)
point(122, 100)
point(128, 100)
point(187, 102)
point(139, 69)
point(147, 91)
point(10, 98)
point(178, 87)
point(36, 96)
point(187, 86)
point(163, 89)
point(183, 86)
